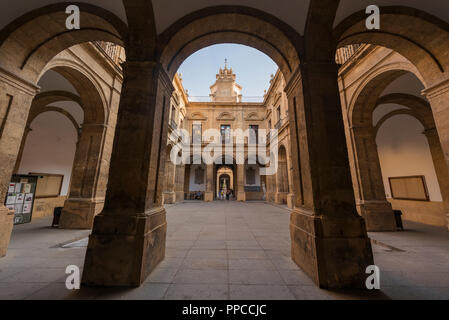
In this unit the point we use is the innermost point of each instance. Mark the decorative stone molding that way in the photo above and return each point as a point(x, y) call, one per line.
point(253, 116)
point(225, 116)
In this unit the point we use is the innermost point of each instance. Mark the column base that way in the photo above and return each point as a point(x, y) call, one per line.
point(271, 197)
point(241, 196)
point(333, 252)
point(291, 200)
point(169, 197)
point(208, 196)
point(378, 215)
point(80, 213)
point(123, 251)
point(6, 226)
point(280, 197)
point(179, 196)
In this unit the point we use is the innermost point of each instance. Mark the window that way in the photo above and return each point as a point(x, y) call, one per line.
point(409, 188)
point(250, 176)
point(199, 176)
point(279, 113)
point(48, 185)
point(269, 124)
point(196, 133)
point(253, 134)
point(225, 131)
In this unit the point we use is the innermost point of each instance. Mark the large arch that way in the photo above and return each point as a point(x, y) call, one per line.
point(230, 24)
point(415, 42)
point(424, 42)
point(84, 199)
point(133, 208)
point(36, 37)
point(367, 175)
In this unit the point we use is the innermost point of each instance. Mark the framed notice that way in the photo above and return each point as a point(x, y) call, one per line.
point(409, 188)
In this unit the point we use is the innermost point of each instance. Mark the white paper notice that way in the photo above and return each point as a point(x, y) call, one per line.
point(11, 200)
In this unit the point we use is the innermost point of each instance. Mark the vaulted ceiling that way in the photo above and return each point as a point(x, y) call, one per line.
point(292, 12)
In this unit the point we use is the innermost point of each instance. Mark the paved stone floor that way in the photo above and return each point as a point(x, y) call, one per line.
point(225, 250)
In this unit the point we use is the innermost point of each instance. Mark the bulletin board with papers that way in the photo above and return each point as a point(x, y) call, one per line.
point(20, 197)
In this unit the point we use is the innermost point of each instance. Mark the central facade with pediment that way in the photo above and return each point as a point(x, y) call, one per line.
point(226, 111)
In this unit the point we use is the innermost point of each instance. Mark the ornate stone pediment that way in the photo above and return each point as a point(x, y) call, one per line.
point(253, 116)
point(197, 116)
point(225, 116)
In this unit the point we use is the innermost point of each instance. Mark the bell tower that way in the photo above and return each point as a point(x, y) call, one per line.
point(225, 89)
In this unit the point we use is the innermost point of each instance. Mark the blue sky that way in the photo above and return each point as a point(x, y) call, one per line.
point(252, 67)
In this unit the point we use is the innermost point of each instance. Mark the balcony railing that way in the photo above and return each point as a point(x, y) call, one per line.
point(111, 50)
point(344, 54)
point(248, 99)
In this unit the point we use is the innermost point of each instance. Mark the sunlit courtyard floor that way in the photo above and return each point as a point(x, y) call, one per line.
point(224, 250)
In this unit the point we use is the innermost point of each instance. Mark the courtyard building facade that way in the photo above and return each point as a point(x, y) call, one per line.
point(96, 116)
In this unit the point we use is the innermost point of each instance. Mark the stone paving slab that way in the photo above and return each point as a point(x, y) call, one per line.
point(225, 250)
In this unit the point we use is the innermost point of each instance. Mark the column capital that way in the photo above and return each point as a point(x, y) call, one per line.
point(436, 89)
point(18, 82)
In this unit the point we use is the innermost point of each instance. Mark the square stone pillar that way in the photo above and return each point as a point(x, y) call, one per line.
point(209, 194)
point(440, 166)
point(169, 195)
point(329, 238)
point(128, 237)
point(6, 225)
point(241, 194)
point(371, 201)
point(83, 204)
point(438, 96)
point(15, 101)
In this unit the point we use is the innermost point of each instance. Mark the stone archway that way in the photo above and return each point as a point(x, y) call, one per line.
point(86, 195)
point(416, 42)
point(420, 109)
point(133, 203)
point(27, 45)
point(368, 184)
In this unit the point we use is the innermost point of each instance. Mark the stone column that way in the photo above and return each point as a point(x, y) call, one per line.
point(281, 182)
point(241, 194)
point(329, 238)
point(209, 194)
point(83, 204)
point(169, 181)
point(440, 165)
point(16, 96)
point(438, 97)
point(128, 237)
point(22, 147)
point(291, 195)
point(179, 182)
point(371, 203)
